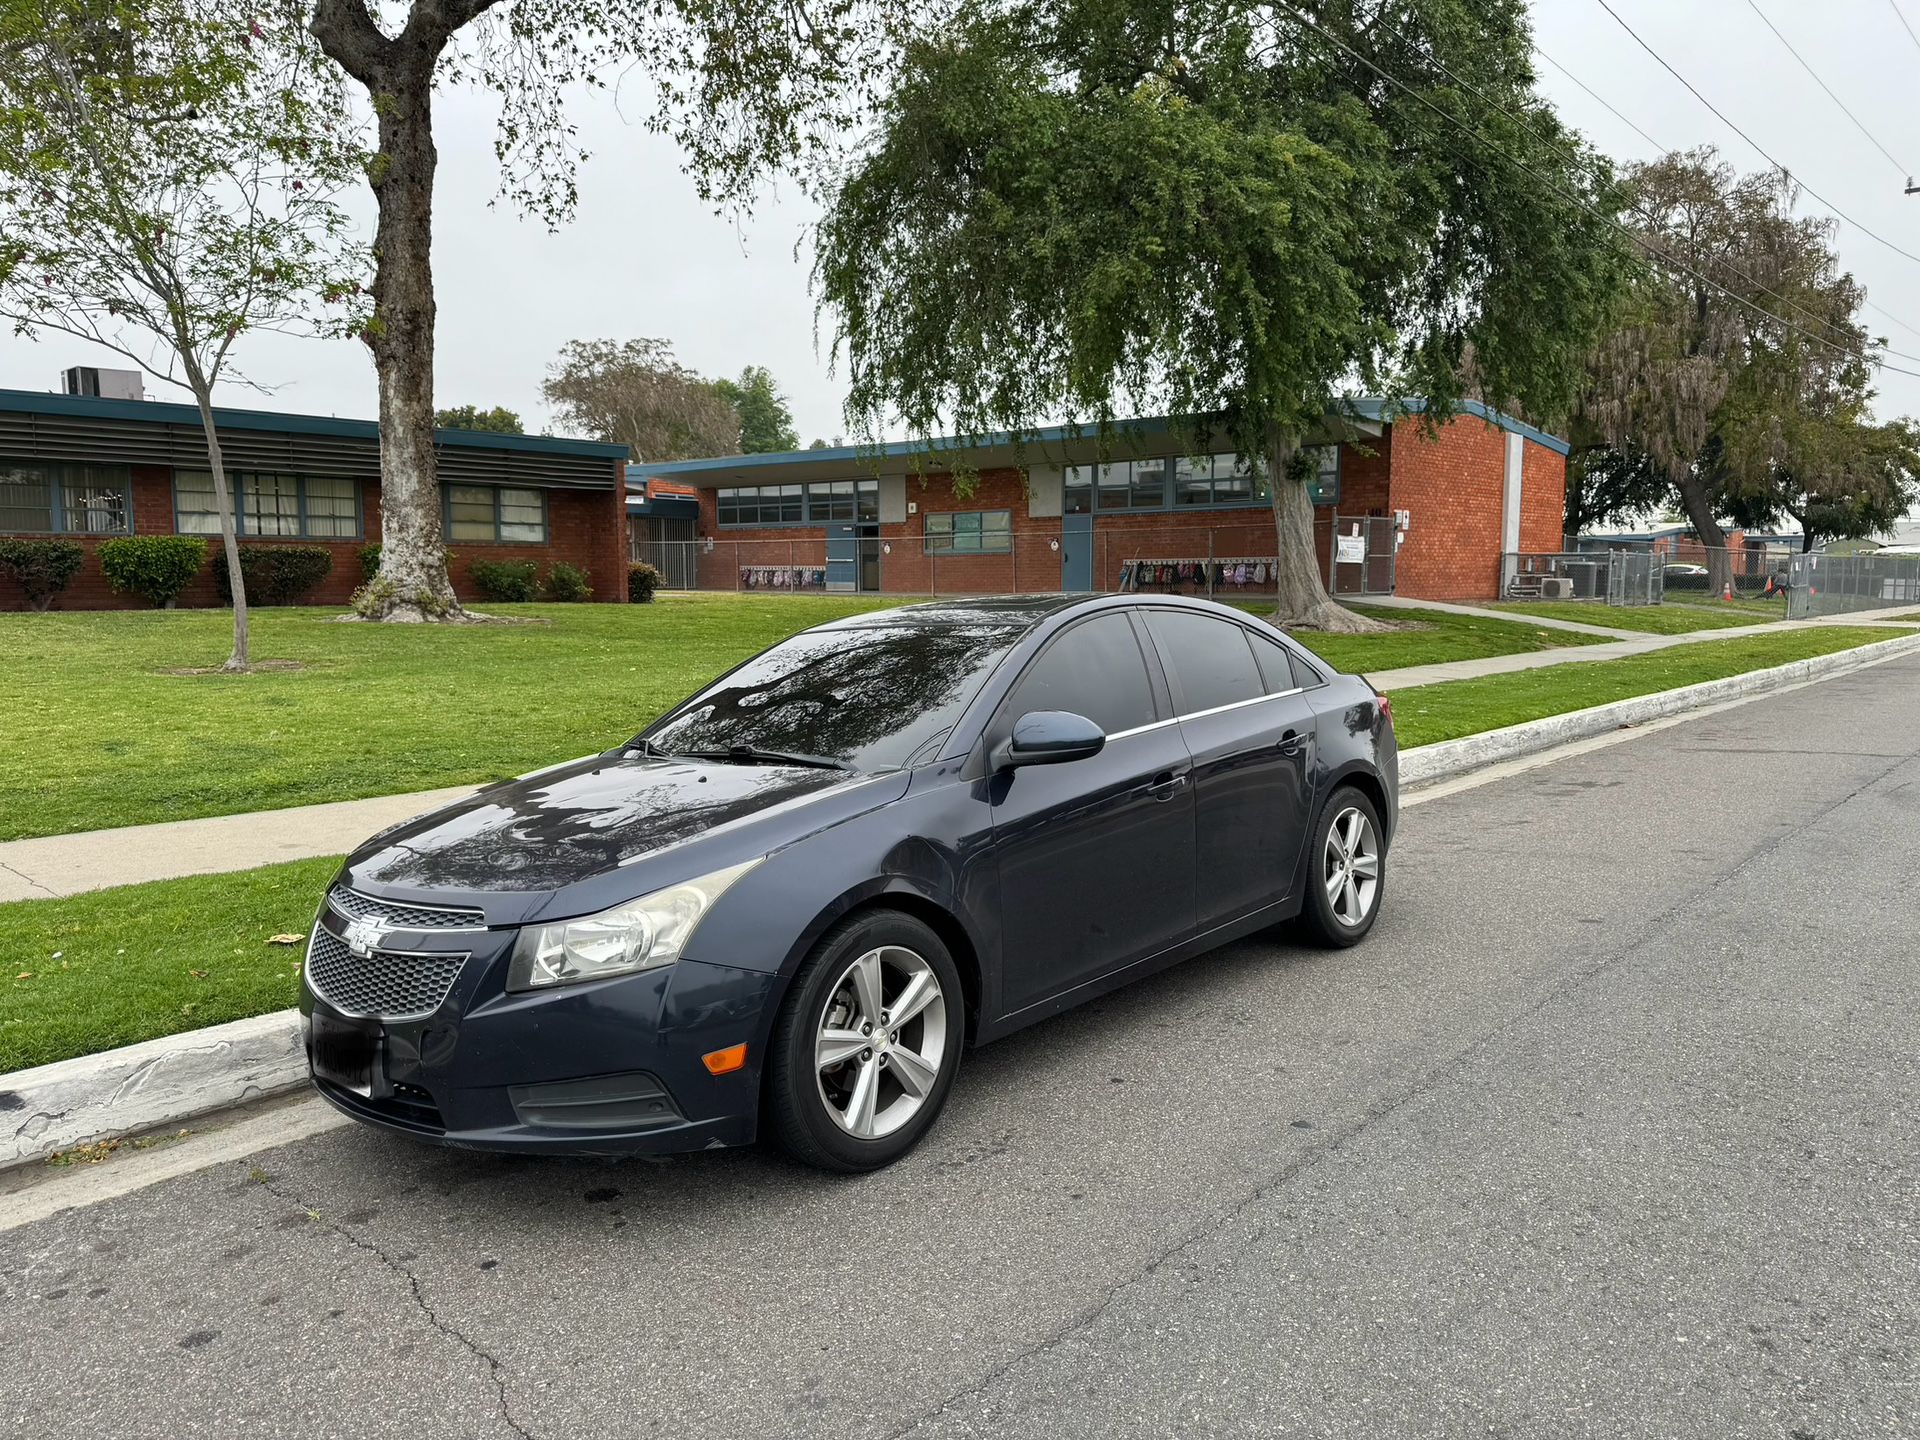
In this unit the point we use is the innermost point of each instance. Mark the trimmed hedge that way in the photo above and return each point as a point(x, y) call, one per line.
point(276, 574)
point(43, 567)
point(507, 580)
point(568, 583)
point(154, 567)
point(642, 581)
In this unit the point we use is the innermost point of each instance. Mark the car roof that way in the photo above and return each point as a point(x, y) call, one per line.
point(1021, 613)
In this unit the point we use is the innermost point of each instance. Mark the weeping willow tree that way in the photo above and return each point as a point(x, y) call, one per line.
point(1739, 372)
point(1218, 210)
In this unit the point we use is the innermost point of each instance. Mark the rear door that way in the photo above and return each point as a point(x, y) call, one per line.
point(1250, 732)
point(1094, 856)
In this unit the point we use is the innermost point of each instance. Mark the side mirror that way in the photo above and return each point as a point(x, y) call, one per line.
point(1049, 737)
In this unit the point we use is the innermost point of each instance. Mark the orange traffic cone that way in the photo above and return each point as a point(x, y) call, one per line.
point(1727, 594)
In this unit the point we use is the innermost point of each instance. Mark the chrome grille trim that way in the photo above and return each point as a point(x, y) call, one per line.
point(355, 906)
point(386, 985)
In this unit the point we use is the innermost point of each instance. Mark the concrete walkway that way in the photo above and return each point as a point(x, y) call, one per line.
point(59, 865)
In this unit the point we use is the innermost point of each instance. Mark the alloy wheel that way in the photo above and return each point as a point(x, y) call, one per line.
point(1351, 867)
point(882, 1041)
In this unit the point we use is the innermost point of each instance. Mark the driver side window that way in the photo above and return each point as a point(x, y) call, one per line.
point(1096, 670)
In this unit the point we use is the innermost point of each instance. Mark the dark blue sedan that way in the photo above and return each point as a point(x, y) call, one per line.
point(790, 904)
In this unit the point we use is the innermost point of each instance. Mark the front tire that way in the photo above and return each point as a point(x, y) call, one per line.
point(867, 1044)
point(1346, 871)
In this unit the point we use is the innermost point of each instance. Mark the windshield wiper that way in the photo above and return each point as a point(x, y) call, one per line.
point(648, 748)
point(754, 755)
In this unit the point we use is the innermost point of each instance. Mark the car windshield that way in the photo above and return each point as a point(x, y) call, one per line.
point(873, 697)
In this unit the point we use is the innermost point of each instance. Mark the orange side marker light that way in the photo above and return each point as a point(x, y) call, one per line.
point(725, 1062)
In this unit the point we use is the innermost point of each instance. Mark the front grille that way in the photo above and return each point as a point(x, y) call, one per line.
point(355, 906)
point(383, 986)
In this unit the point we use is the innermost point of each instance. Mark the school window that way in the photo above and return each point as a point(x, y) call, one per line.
point(495, 512)
point(269, 505)
point(974, 532)
point(1323, 482)
point(1182, 483)
point(64, 499)
point(824, 502)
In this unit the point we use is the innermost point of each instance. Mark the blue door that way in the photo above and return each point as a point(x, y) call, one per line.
point(843, 553)
point(1076, 553)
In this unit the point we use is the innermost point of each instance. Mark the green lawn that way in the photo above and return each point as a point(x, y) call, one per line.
point(99, 733)
point(116, 966)
point(1430, 713)
point(1429, 637)
point(1678, 618)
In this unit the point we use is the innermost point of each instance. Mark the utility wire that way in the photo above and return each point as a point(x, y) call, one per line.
point(1573, 151)
point(1873, 234)
point(1905, 172)
point(1664, 150)
point(1872, 305)
point(1901, 17)
point(1652, 252)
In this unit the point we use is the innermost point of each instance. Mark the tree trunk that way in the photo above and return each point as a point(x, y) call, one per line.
point(412, 583)
point(1698, 505)
point(239, 660)
point(1301, 601)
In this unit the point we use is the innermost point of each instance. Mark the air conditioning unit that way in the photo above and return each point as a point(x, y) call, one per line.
point(1556, 587)
point(107, 384)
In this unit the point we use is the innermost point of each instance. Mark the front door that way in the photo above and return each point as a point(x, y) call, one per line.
point(1076, 553)
point(868, 541)
point(1094, 856)
point(843, 558)
point(1250, 731)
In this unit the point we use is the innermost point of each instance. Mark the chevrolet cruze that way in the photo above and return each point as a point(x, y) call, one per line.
point(789, 905)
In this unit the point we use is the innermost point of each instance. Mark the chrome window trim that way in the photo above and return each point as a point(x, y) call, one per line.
point(1210, 710)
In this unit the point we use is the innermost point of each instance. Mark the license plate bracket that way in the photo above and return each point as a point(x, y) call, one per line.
point(345, 1055)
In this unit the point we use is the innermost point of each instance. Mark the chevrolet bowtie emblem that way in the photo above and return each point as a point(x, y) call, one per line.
point(363, 936)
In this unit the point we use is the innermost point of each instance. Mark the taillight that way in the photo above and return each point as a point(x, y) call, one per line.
point(1386, 706)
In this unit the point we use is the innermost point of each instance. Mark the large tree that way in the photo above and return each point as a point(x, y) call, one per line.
point(169, 181)
point(766, 421)
point(1229, 211)
point(1739, 371)
point(634, 393)
point(497, 421)
point(744, 86)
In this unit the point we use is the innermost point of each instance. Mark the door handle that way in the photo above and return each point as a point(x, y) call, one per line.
point(1290, 742)
point(1167, 784)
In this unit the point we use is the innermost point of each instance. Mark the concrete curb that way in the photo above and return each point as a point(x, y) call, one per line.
point(168, 1082)
point(1450, 758)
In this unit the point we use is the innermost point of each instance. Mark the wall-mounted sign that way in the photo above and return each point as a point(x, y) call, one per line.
point(1350, 549)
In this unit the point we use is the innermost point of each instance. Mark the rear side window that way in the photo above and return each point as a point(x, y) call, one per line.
point(1096, 670)
point(1211, 659)
point(1280, 668)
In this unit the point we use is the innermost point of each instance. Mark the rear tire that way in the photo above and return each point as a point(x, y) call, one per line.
point(853, 1082)
point(1346, 871)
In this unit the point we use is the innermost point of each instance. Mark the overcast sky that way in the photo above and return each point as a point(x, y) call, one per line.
point(645, 257)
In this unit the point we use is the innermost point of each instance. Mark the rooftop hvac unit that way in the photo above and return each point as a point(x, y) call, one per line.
point(1556, 587)
point(107, 384)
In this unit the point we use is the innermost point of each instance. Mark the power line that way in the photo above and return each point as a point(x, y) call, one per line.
point(1582, 205)
point(1903, 24)
point(1573, 151)
point(1749, 139)
point(1664, 150)
point(1903, 171)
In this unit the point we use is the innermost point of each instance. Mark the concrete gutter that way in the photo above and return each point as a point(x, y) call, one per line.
point(168, 1082)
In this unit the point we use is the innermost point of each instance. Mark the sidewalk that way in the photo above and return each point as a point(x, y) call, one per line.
point(59, 865)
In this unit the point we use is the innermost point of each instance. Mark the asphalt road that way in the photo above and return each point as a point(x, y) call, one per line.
point(1612, 1128)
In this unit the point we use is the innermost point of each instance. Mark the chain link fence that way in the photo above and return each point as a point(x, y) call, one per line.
point(1842, 584)
point(1755, 575)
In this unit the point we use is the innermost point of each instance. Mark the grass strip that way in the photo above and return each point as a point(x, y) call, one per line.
point(1673, 618)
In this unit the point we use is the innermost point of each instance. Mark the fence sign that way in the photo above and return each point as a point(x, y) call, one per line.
point(1350, 549)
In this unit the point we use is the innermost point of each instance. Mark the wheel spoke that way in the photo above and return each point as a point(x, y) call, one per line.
point(860, 1104)
point(1367, 867)
point(865, 976)
point(1350, 903)
point(835, 1046)
point(911, 1069)
point(918, 993)
point(1351, 835)
point(1336, 883)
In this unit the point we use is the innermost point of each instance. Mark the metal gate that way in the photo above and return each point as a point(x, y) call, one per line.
point(1362, 555)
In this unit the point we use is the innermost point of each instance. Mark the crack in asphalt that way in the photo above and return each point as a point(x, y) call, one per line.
point(1428, 1081)
point(496, 1372)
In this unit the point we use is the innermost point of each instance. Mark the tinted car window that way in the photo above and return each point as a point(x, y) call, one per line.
point(1094, 669)
point(1276, 664)
point(873, 696)
point(1211, 658)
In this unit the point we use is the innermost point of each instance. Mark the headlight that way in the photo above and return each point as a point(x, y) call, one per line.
point(642, 934)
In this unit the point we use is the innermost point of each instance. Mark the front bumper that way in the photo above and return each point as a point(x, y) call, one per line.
point(608, 1067)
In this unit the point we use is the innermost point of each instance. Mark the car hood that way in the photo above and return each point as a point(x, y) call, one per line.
point(556, 827)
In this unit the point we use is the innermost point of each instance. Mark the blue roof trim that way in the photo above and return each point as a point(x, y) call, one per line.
point(167, 412)
point(1364, 407)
